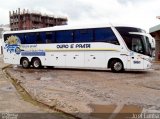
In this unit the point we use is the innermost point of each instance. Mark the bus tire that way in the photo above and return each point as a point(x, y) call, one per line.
point(117, 66)
point(25, 63)
point(36, 63)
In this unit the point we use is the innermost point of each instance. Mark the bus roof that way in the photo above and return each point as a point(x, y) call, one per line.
point(57, 28)
point(63, 27)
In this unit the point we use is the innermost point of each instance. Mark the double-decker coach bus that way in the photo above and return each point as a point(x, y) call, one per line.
point(101, 46)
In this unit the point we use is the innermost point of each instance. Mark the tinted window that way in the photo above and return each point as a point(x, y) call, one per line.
point(41, 37)
point(6, 37)
point(64, 36)
point(105, 35)
point(50, 37)
point(21, 37)
point(30, 38)
point(85, 35)
point(26, 37)
point(123, 30)
point(137, 43)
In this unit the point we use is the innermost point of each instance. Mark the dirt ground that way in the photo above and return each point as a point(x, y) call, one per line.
point(13, 105)
point(92, 91)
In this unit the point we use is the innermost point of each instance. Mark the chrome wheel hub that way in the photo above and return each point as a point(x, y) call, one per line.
point(117, 66)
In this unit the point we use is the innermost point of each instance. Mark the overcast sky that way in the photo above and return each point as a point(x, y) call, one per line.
point(141, 13)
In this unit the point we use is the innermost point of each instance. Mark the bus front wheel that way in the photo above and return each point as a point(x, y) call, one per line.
point(25, 63)
point(36, 63)
point(117, 66)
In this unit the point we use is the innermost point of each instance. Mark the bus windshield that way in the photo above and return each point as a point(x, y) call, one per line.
point(135, 42)
point(138, 43)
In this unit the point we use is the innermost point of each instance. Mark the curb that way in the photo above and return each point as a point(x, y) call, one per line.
point(20, 89)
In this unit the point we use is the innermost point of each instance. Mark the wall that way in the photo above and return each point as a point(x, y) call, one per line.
point(156, 35)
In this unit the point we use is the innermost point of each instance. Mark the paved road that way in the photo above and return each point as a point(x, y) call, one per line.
point(12, 102)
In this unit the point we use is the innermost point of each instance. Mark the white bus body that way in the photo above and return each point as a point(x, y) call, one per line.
point(2, 29)
point(78, 47)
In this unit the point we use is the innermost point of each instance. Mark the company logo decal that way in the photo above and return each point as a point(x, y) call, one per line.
point(12, 44)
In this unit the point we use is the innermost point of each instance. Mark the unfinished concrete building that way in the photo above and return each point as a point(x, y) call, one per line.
point(23, 20)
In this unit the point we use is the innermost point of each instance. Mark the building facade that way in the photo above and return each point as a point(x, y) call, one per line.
point(155, 32)
point(23, 20)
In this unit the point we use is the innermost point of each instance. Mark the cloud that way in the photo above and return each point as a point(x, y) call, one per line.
point(140, 13)
point(133, 12)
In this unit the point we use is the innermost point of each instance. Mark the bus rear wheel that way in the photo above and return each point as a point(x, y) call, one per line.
point(36, 63)
point(25, 63)
point(117, 66)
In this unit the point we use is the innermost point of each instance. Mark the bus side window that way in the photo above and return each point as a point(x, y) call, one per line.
point(21, 38)
point(31, 38)
point(38, 38)
point(50, 37)
point(5, 37)
point(105, 35)
point(26, 38)
point(85, 35)
point(41, 37)
point(64, 36)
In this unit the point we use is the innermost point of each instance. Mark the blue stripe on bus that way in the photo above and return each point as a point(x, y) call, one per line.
point(33, 53)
